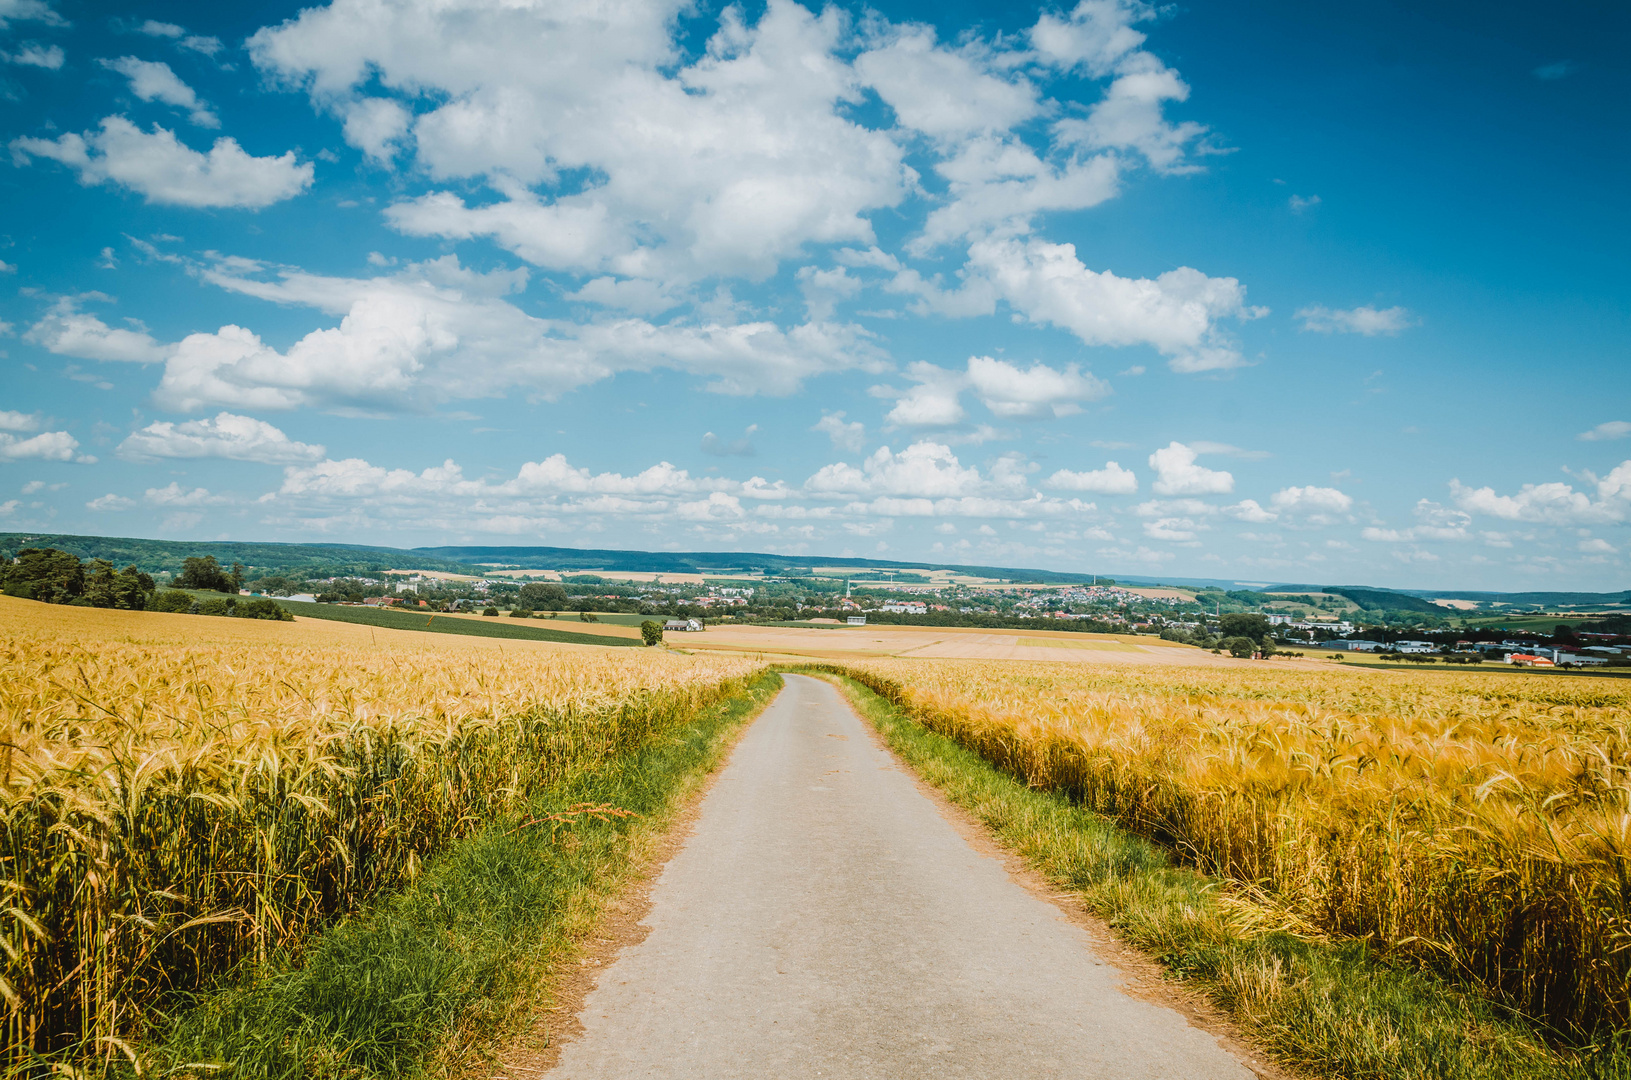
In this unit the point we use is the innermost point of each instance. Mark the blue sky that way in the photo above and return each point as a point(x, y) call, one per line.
point(1256, 290)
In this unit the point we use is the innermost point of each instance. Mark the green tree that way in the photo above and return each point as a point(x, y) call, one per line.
point(260, 608)
point(543, 596)
point(588, 616)
point(203, 572)
point(651, 631)
point(47, 574)
point(1240, 646)
point(99, 584)
point(132, 589)
point(1240, 624)
point(172, 600)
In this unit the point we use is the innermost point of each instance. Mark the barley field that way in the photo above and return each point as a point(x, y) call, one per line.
point(1475, 825)
point(182, 795)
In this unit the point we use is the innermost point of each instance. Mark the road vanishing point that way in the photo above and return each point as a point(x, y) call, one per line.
point(825, 919)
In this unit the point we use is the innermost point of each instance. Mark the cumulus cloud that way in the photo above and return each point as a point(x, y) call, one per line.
point(727, 164)
point(1110, 480)
point(163, 169)
point(1613, 429)
point(1360, 320)
point(1554, 503)
point(1174, 530)
point(1095, 36)
point(11, 420)
point(1029, 393)
point(25, 10)
point(1129, 117)
point(46, 446)
point(845, 435)
point(226, 435)
point(434, 332)
point(175, 495)
point(109, 503)
point(1311, 500)
point(68, 331)
point(1177, 473)
point(49, 57)
point(923, 470)
point(1177, 313)
point(155, 81)
point(1009, 391)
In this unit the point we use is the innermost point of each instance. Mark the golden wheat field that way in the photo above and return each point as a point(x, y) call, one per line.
point(1479, 825)
point(182, 793)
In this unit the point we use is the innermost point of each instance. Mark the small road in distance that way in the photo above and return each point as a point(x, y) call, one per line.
point(825, 920)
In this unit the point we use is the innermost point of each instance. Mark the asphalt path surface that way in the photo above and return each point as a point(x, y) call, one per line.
point(825, 920)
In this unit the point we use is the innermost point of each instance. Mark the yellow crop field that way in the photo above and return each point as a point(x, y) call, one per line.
point(1477, 825)
point(181, 793)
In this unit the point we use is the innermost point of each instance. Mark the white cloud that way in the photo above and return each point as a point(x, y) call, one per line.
point(1173, 530)
point(67, 331)
point(1613, 429)
point(377, 126)
point(1037, 391)
point(160, 167)
point(155, 81)
point(46, 446)
point(110, 502)
point(1554, 503)
point(176, 495)
point(1178, 474)
point(933, 402)
point(1202, 446)
point(434, 332)
point(1311, 500)
point(1009, 391)
point(1596, 546)
point(49, 57)
point(944, 93)
point(1096, 35)
point(200, 43)
point(18, 421)
point(1360, 320)
point(849, 436)
point(1110, 480)
point(1176, 313)
point(724, 165)
point(923, 470)
point(1249, 510)
point(1299, 203)
point(35, 10)
point(240, 438)
point(209, 46)
point(1129, 117)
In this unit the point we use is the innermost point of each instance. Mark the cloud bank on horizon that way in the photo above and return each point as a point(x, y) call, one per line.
point(835, 280)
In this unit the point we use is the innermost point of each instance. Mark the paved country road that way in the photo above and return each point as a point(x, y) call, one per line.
point(824, 920)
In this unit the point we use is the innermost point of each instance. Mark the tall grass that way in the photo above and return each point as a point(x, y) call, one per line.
point(1476, 828)
point(171, 811)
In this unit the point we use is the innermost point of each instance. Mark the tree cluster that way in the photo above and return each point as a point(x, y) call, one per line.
point(59, 577)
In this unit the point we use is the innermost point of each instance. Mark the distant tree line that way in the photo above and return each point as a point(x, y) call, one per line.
point(59, 577)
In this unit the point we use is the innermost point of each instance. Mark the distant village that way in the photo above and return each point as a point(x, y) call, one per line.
point(1309, 624)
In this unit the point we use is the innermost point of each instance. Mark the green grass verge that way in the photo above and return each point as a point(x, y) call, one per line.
point(1327, 1008)
point(499, 627)
point(428, 980)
